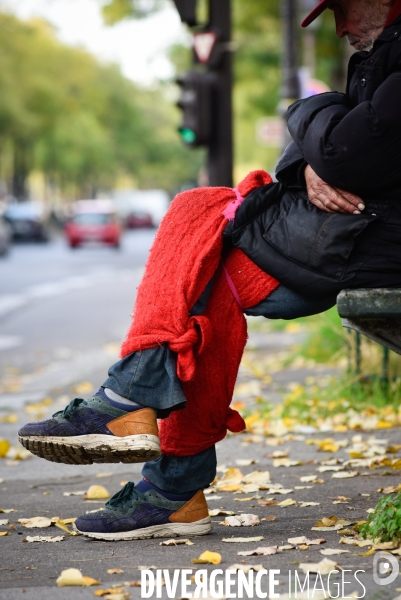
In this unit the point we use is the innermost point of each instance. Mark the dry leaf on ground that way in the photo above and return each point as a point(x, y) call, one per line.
point(262, 551)
point(43, 538)
point(35, 522)
point(355, 542)
point(4, 448)
point(324, 567)
point(74, 577)
point(269, 518)
point(218, 512)
point(244, 499)
point(113, 594)
point(83, 388)
point(114, 571)
point(243, 520)
point(306, 504)
point(245, 462)
point(230, 481)
point(288, 502)
point(4, 521)
point(3, 533)
point(79, 493)
point(345, 475)
point(97, 492)
point(286, 462)
point(304, 540)
point(332, 551)
point(263, 502)
point(245, 568)
point(206, 558)
point(325, 468)
point(244, 539)
point(258, 477)
point(176, 542)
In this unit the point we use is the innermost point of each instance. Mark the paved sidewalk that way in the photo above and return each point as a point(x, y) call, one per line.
point(34, 487)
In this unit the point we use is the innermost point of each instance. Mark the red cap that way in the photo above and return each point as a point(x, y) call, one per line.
point(319, 8)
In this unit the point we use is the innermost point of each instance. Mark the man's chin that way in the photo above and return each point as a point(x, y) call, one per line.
point(360, 45)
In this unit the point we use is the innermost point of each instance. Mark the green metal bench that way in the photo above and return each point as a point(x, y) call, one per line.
point(375, 313)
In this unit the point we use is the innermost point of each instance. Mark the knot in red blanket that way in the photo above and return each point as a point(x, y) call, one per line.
point(199, 331)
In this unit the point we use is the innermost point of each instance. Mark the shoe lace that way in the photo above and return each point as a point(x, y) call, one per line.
point(70, 408)
point(124, 497)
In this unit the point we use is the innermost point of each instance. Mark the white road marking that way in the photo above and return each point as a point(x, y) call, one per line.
point(9, 302)
point(9, 341)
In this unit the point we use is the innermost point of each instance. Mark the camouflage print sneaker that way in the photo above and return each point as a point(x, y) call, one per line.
point(132, 515)
point(94, 431)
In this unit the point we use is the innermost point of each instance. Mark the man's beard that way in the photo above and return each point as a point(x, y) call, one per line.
point(361, 44)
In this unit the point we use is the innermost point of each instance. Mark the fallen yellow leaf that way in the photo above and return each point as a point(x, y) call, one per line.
point(87, 581)
point(35, 522)
point(97, 492)
point(9, 418)
point(244, 540)
point(207, 557)
point(368, 553)
point(83, 388)
point(288, 502)
point(70, 577)
point(2, 533)
point(4, 448)
point(345, 474)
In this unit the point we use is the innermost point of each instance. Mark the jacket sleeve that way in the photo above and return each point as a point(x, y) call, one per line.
point(290, 168)
point(357, 149)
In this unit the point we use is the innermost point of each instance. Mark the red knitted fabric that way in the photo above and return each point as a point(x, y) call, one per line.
point(185, 255)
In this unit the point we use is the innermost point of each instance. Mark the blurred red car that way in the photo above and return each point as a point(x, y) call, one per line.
point(93, 221)
point(137, 219)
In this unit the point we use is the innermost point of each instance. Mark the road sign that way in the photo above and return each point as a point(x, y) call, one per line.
point(204, 42)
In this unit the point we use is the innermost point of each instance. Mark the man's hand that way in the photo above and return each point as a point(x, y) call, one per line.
point(331, 199)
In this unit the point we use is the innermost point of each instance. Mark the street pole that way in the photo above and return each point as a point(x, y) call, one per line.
point(290, 87)
point(220, 150)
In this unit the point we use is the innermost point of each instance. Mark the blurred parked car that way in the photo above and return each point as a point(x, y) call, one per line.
point(93, 221)
point(5, 236)
point(138, 218)
point(27, 221)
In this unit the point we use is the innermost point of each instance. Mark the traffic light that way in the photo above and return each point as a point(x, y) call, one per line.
point(197, 104)
point(187, 11)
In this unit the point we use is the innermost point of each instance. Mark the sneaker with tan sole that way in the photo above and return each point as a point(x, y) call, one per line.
point(94, 431)
point(132, 515)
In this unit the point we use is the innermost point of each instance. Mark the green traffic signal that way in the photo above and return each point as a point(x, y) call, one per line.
point(188, 136)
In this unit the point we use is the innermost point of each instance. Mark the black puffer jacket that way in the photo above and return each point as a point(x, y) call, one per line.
point(352, 141)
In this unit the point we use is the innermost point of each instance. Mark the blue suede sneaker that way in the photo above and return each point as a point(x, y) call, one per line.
point(94, 431)
point(132, 515)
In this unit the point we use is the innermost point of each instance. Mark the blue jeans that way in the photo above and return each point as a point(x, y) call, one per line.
point(149, 378)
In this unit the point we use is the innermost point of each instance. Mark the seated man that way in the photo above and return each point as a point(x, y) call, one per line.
point(332, 221)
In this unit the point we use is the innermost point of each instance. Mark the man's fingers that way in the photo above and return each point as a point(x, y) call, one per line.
point(319, 204)
point(338, 203)
point(352, 199)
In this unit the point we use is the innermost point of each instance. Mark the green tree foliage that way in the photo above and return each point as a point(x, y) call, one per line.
point(80, 122)
point(258, 39)
point(116, 10)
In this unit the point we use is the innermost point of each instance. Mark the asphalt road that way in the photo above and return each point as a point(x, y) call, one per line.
point(60, 307)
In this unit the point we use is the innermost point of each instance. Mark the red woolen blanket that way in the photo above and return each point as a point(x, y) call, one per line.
point(184, 257)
